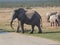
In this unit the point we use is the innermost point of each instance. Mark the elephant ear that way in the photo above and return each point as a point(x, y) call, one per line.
point(15, 11)
point(21, 10)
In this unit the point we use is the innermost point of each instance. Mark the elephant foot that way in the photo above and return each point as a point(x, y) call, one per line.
point(17, 31)
point(31, 32)
point(22, 31)
point(39, 32)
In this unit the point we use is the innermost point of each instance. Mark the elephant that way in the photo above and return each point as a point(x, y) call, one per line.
point(32, 18)
point(50, 14)
point(54, 20)
point(58, 16)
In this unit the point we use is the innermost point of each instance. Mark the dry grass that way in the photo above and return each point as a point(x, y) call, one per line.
point(6, 14)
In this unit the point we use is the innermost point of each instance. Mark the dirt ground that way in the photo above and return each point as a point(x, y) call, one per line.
point(20, 39)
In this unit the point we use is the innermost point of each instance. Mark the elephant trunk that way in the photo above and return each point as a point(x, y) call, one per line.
point(11, 24)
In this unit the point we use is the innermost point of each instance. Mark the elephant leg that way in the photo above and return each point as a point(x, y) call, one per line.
point(18, 27)
point(22, 27)
point(56, 24)
point(39, 28)
point(32, 29)
point(53, 23)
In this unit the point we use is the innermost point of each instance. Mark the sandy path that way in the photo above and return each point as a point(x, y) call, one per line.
point(20, 39)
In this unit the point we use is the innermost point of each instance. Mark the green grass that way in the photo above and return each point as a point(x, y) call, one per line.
point(49, 34)
point(5, 28)
point(53, 36)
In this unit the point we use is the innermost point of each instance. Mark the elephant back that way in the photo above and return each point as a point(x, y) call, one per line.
point(58, 15)
point(30, 13)
point(53, 18)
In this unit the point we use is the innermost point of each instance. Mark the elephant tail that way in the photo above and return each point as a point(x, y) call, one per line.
point(41, 22)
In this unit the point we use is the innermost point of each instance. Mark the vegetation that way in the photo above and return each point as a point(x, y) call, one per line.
point(53, 35)
point(40, 3)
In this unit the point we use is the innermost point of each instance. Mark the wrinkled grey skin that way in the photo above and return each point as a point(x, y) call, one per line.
point(50, 14)
point(35, 20)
